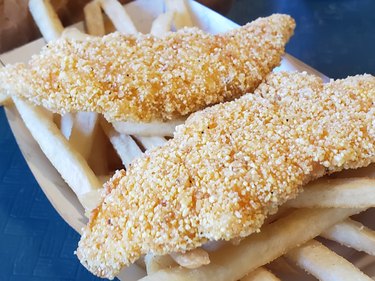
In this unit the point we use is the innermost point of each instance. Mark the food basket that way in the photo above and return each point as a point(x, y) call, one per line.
point(63, 199)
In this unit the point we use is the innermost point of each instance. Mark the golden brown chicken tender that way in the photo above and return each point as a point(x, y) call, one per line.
point(230, 166)
point(145, 78)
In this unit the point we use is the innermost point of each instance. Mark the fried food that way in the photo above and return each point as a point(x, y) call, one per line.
point(230, 263)
point(325, 264)
point(230, 166)
point(352, 234)
point(145, 78)
point(345, 193)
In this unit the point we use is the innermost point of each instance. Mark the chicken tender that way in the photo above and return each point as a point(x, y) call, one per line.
point(145, 78)
point(230, 166)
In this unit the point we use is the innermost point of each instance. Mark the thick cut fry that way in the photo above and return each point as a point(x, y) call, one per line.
point(352, 234)
point(94, 18)
point(155, 263)
point(131, 273)
point(90, 200)
point(325, 264)
point(192, 259)
point(79, 129)
point(66, 124)
point(72, 166)
point(74, 33)
point(181, 12)
point(282, 267)
point(213, 246)
point(148, 129)
point(82, 135)
point(120, 19)
point(125, 146)
point(151, 142)
point(340, 193)
point(46, 19)
point(260, 274)
point(4, 99)
point(162, 24)
point(231, 263)
point(281, 212)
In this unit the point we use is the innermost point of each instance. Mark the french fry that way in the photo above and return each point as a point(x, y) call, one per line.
point(82, 134)
point(66, 124)
point(148, 129)
point(325, 264)
point(234, 262)
point(213, 246)
point(338, 193)
point(352, 234)
point(46, 19)
point(282, 267)
point(79, 129)
point(125, 146)
point(162, 24)
point(90, 200)
point(71, 165)
point(117, 14)
point(94, 18)
point(131, 273)
point(4, 99)
point(151, 142)
point(156, 263)
point(260, 274)
point(192, 259)
point(74, 33)
point(181, 11)
point(281, 212)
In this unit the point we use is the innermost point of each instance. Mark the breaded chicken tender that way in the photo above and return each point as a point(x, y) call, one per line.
point(230, 166)
point(145, 78)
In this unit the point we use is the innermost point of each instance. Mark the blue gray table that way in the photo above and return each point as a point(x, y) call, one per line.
point(334, 36)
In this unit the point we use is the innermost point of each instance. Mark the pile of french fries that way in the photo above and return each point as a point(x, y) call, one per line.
point(86, 149)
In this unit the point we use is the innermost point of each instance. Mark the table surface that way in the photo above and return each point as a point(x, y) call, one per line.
point(335, 37)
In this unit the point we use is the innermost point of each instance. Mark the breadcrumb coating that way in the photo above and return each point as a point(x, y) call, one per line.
point(230, 166)
point(145, 78)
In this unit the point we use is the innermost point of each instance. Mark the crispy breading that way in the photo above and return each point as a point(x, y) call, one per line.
point(144, 78)
point(230, 166)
